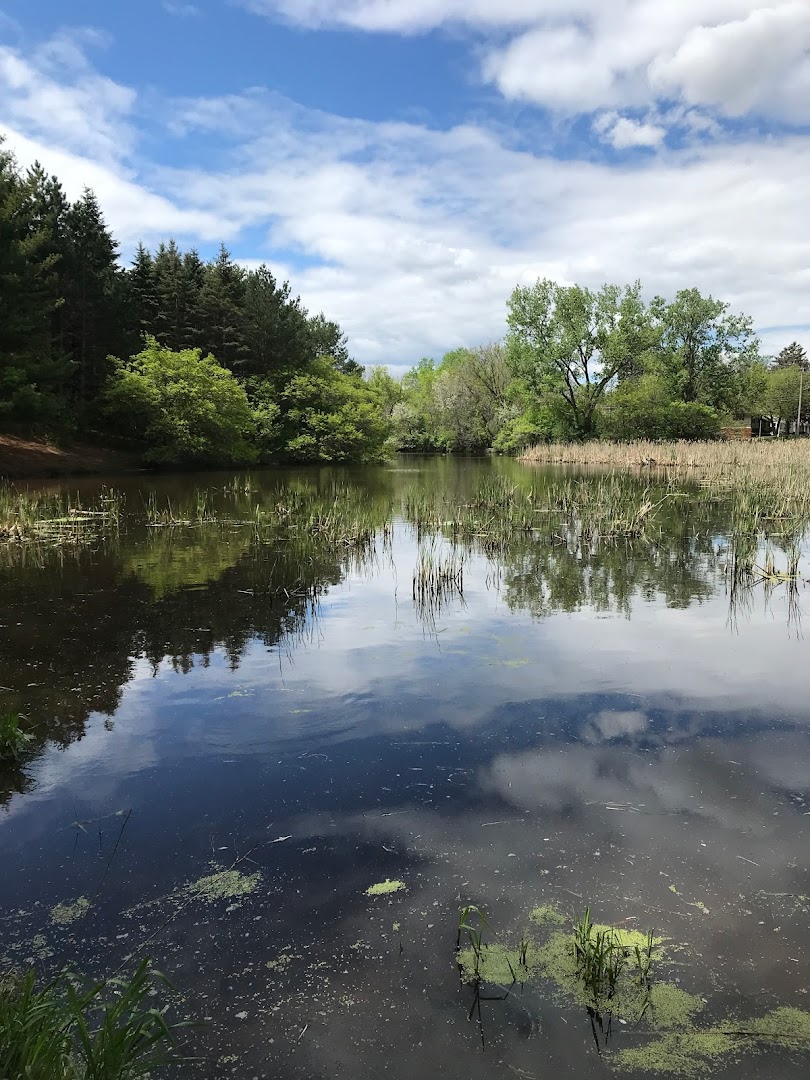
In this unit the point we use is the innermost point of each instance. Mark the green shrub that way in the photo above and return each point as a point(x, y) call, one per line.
point(643, 409)
point(183, 407)
point(325, 415)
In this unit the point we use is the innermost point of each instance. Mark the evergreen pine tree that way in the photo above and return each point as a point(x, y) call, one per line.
point(92, 293)
point(171, 324)
point(329, 340)
point(276, 328)
point(194, 279)
point(142, 308)
point(792, 355)
point(29, 378)
point(222, 299)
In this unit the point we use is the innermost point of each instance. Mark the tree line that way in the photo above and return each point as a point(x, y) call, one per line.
point(578, 364)
point(192, 361)
point(198, 362)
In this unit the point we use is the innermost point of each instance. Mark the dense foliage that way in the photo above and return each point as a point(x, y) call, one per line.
point(191, 362)
point(579, 364)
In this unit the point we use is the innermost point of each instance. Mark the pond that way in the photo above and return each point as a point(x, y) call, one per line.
point(277, 749)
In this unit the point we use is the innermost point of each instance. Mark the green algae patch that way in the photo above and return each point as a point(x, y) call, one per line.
point(224, 885)
point(695, 1053)
point(629, 939)
point(66, 914)
point(385, 888)
point(785, 1026)
point(687, 1054)
point(545, 915)
point(664, 1006)
point(671, 1007)
point(496, 964)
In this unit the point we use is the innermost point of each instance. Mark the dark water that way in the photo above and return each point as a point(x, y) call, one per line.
point(583, 726)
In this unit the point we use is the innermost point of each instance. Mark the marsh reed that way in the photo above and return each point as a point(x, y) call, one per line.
point(57, 518)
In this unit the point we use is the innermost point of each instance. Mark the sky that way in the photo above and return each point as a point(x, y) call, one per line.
point(407, 163)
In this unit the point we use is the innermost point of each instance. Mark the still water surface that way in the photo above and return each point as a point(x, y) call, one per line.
point(591, 726)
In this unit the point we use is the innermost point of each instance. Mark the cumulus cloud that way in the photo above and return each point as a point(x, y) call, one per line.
point(413, 238)
point(734, 56)
point(623, 132)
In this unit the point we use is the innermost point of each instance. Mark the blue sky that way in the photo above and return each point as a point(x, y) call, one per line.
point(406, 163)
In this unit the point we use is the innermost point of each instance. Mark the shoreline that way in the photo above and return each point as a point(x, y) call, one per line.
point(36, 459)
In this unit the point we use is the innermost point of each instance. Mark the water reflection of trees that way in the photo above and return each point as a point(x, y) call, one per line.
point(78, 622)
point(544, 579)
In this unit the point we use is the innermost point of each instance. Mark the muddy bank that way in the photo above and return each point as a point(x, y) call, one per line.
point(21, 458)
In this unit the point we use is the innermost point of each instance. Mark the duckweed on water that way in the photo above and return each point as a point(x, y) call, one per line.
point(224, 885)
point(686, 1054)
point(673, 1044)
point(545, 915)
point(65, 914)
point(385, 888)
point(695, 1053)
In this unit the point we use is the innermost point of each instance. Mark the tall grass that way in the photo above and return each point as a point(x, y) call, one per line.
point(757, 455)
point(59, 518)
point(14, 740)
point(109, 1030)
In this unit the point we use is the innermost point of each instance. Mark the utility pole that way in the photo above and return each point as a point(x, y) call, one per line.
point(799, 412)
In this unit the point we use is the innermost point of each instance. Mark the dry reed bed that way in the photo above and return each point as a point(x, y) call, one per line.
point(706, 457)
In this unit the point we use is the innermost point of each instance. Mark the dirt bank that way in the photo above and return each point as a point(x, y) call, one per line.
point(21, 458)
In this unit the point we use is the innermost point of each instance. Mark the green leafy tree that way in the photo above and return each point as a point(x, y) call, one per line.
point(471, 397)
point(416, 418)
point(183, 407)
point(782, 393)
point(385, 388)
point(792, 355)
point(568, 344)
point(703, 349)
point(643, 409)
point(326, 415)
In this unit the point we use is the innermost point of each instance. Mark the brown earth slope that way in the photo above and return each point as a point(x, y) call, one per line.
point(20, 458)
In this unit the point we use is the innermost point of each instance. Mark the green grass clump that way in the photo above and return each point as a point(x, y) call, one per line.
point(14, 741)
point(106, 1031)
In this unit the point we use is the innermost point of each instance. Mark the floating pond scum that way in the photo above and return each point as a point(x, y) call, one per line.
point(673, 1031)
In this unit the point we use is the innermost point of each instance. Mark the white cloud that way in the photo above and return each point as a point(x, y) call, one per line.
point(759, 61)
point(53, 94)
point(416, 15)
point(734, 56)
point(425, 233)
point(623, 133)
point(413, 238)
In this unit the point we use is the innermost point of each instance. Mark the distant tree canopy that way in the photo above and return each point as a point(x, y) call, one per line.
point(579, 363)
